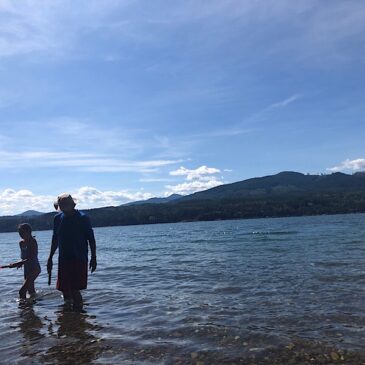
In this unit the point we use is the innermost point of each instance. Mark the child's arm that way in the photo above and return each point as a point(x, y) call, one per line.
point(17, 264)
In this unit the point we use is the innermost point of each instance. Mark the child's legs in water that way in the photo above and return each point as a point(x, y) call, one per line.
point(28, 285)
point(31, 288)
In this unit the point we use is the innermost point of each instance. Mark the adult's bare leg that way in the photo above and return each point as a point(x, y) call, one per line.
point(78, 301)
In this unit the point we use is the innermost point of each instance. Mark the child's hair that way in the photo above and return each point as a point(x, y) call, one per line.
point(25, 226)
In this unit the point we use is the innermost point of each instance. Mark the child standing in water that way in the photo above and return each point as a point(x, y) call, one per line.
point(29, 255)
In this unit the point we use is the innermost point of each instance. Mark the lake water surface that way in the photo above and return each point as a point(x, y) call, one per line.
point(247, 291)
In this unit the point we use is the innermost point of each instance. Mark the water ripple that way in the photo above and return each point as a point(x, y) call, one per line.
point(217, 292)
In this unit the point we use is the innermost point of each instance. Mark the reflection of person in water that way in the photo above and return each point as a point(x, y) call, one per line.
point(83, 348)
point(30, 326)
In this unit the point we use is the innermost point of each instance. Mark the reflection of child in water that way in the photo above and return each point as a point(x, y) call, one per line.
point(29, 254)
point(30, 325)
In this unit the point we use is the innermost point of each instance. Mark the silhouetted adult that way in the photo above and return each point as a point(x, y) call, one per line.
point(72, 234)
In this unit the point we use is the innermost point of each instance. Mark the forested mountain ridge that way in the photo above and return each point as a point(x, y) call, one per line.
point(285, 182)
point(280, 195)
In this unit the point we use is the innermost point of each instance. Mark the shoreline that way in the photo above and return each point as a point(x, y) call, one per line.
point(18, 221)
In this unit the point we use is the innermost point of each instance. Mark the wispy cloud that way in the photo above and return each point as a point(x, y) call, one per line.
point(86, 132)
point(8, 98)
point(78, 161)
point(226, 132)
point(287, 101)
point(109, 165)
point(349, 165)
point(53, 27)
point(252, 123)
point(152, 180)
point(4, 140)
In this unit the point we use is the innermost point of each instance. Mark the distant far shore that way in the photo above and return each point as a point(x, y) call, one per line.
point(286, 194)
point(163, 213)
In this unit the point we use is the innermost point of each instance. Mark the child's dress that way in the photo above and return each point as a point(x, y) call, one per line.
point(32, 263)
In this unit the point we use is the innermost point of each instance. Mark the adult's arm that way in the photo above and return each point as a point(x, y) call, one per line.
point(93, 263)
point(92, 243)
point(54, 245)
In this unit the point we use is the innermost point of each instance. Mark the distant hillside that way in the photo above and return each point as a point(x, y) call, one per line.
point(168, 199)
point(282, 195)
point(284, 183)
point(30, 213)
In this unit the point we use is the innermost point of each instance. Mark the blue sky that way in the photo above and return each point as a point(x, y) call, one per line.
point(116, 101)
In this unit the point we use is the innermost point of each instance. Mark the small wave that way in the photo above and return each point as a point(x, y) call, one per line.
point(228, 290)
point(331, 263)
point(268, 233)
point(277, 250)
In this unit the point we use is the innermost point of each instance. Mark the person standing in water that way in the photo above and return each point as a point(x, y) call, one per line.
point(29, 255)
point(72, 233)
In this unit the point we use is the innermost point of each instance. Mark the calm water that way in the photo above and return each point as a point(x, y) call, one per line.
point(176, 293)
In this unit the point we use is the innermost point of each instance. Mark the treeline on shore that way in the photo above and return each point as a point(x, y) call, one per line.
point(209, 209)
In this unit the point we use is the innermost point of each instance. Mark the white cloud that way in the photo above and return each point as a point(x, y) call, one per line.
point(201, 178)
point(17, 201)
point(89, 197)
point(349, 165)
point(193, 186)
point(199, 173)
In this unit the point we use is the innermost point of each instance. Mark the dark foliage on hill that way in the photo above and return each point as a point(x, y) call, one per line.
point(284, 183)
point(156, 200)
point(281, 195)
